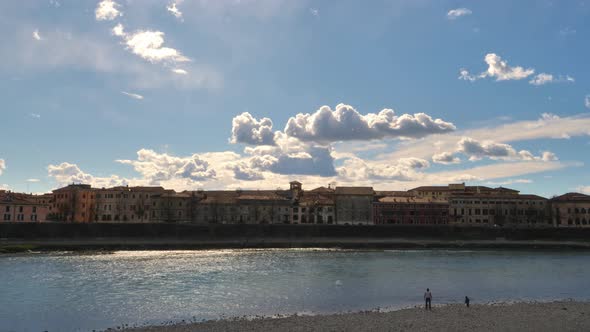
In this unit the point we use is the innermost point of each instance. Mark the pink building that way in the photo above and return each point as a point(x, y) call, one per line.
point(18, 208)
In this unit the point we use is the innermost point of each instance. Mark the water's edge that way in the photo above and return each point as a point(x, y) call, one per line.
point(229, 318)
point(102, 244)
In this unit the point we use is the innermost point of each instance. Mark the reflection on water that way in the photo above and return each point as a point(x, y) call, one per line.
point(70, 292)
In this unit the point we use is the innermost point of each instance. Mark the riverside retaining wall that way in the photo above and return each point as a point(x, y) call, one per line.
point(240, 231)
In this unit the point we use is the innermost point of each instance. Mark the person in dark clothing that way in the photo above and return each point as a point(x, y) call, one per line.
point(466, 301)
point(428, 299)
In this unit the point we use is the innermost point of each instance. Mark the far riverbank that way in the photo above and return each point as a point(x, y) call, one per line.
point(112, 244)
point(554, 316)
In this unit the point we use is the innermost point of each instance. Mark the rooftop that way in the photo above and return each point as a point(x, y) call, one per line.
point(355, 191)
point(578, 197)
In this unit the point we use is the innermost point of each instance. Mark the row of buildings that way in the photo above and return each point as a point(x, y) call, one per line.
point(455, 204)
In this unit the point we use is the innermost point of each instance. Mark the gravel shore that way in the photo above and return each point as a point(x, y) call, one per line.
point(554, 316)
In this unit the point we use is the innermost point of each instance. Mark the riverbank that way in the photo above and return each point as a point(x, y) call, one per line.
point(110, 244)
point(554, 316)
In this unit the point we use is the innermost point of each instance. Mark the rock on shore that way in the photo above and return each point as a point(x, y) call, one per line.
point(554, 316)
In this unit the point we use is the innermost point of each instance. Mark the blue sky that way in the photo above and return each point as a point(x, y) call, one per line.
point(255, 93)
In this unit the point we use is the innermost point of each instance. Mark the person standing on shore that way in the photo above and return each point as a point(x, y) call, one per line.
point(467, 301)
point(428, 299)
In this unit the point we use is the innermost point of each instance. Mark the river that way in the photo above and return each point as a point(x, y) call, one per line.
point(92, 291)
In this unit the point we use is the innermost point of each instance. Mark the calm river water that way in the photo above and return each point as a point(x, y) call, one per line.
point(82, 292)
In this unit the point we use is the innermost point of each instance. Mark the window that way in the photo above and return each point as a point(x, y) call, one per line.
point(8, 209)
point(6, 217)
point(295, 209)
point(34, 209)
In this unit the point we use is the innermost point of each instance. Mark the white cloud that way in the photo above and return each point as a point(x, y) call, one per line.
point(314, 11)
point(67, 173)
point(587, 101)
point(244, 172)
point(174, 10)
point(156, 167)
point(179, 71)
point(583, 189)
point(35, 115)
point(313, 160)
point(132, 95)
point(549, 126)
point(36, 35)
point(476, 150)
point(548, 156)
point(246, 129)
point(544, 78)
point(501, 71)
point(509, 182)
point(118, 30)
point(33, 180)
point(357, 169)
point(498, 69)
point(107, 10)
point(445, 158)
point(149, 45)
point(456, 13)
point(345, 123)
point(541, 79)
point(2, 166)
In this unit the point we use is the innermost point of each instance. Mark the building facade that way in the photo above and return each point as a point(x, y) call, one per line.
point(571, 210)
point(21, 208)
point(74, 203)
point(354, 205)
point(403, 210)
point(500, 208)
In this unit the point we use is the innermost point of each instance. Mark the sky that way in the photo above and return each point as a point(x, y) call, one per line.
point(252, 94)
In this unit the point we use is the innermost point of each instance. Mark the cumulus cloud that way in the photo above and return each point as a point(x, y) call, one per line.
point(406, 169)
point(477, 150)
point(2, 166)
point(248, 130)
point(132, 95)
point(314, 160)
point(107, 10)
point(498, 69)
point(156, 167)
point(345, 123)
point(456, 13)
point(445, 158)
point(67, 173)
point(149, 45)
point(174, 10)
point(501, 71)
point(118, 30)
point(243, 171)
point(36, 35)
point(544, 78)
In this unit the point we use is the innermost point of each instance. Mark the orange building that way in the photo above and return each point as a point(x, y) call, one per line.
point(18, 208)
point(74, 203)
